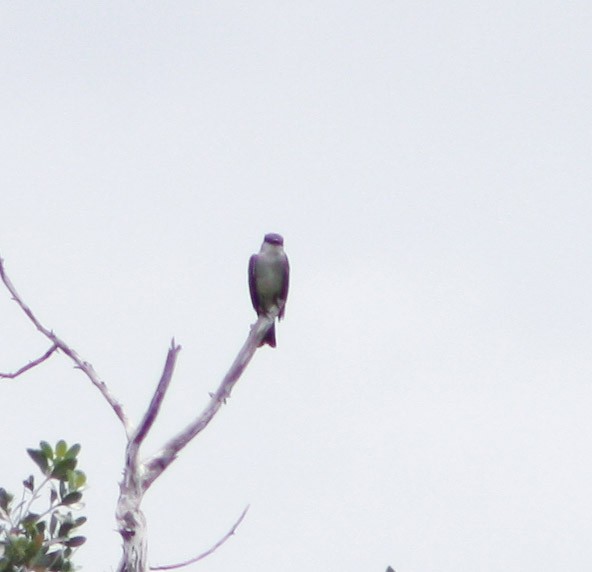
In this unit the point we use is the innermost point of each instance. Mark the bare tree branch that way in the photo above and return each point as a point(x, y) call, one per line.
point(31, 364)
point(161, 460)
point(86, 367)
point(138, 476)
point(129, 515)
point(154, 407)
point(207, 552)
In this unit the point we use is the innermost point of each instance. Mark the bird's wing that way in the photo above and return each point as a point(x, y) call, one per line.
point(286, 285)
point(252, 285)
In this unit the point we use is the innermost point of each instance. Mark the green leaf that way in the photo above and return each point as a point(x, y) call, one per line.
point(73, 451)
point(29, 483)
point(16, 549)
point(30, 518)
point(53, 560)
point(40, 459)
point(71, 498)
point(76, 480)
point(5, 499)
point(65, 528)
point(76, 541)
point(46, 448)
point(53, 522)
point(61, 448)
point(61, 468)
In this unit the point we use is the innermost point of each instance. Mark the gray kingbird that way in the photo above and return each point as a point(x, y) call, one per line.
point(269, 278)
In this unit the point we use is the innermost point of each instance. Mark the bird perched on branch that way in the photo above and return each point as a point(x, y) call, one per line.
point(269, 278)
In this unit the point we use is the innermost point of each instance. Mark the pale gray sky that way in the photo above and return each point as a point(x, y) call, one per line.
point(429, 165)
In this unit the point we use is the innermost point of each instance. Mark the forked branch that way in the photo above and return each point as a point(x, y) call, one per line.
point(161, 460)
point(138, 476)
point(84, 366)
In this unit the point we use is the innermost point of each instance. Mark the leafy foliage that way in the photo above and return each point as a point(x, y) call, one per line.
point(45, 541)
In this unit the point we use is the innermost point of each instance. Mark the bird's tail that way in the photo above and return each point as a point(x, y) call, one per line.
point(269, 338)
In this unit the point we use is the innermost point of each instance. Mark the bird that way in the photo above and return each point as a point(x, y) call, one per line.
point(269, 279)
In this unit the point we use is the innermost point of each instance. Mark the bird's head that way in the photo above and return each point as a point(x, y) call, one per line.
point(273, 238)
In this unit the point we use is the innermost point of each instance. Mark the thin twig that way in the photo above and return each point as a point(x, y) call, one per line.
point(86, 367)
point(31, 364)
point(160, 461)
point(207, 552)
point(34, 496)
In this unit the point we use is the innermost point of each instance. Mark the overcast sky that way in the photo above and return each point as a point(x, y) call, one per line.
point(429, 164)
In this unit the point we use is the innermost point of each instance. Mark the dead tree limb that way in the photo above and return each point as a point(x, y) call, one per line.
point(139, 476)
point(155, 465)
point(131, 522)
point(84, 366)
point(207, 552)
point(31, 364)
